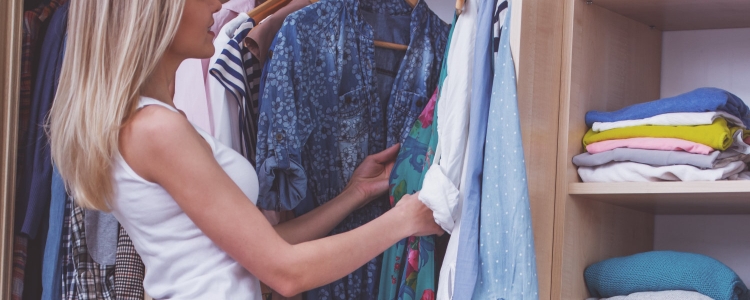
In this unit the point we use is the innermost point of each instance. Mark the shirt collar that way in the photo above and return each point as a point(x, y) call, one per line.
point(394, 7)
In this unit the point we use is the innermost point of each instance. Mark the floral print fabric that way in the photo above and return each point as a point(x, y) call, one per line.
point(408, 259)
point(321, 112)
point(408, 270)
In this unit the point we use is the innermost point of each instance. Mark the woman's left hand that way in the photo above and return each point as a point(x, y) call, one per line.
point(370, 179)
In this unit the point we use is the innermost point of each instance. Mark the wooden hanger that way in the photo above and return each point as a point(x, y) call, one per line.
point(271, 6)
point(394, 46)
point(266, 9)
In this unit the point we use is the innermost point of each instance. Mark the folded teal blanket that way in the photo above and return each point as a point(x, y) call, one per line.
point(662, 271)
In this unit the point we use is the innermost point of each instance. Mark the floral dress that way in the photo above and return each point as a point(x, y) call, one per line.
point(408, 270)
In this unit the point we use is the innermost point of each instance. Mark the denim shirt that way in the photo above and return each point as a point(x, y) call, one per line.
point(329, 98)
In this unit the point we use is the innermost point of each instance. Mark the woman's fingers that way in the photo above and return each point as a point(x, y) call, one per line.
point(387, 155)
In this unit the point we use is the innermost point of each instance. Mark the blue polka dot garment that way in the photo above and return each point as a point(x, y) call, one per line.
point(507, 268)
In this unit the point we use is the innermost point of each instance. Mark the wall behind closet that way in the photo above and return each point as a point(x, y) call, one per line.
point(692, 59)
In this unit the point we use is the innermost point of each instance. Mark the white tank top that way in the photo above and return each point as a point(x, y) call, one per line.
point(182, 262)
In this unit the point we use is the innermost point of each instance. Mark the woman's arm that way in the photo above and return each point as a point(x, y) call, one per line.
point(369, 181)
point(162, 147)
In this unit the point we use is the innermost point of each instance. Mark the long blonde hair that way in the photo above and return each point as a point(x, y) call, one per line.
point(112, 48)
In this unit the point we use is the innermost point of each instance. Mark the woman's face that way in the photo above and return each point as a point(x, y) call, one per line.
point(194, 38)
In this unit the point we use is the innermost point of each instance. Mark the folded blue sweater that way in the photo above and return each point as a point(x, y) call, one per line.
point(700, 100)
point(662, 271)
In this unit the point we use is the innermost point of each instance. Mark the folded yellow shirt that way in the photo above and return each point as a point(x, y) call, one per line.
point(717, 135)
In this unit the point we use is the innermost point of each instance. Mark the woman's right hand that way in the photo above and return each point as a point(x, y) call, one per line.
point(419, 215)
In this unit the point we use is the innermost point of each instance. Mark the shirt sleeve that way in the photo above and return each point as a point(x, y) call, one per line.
point(284, 125)
point(441, 196)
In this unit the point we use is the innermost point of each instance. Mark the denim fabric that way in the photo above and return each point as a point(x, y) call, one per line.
point(34, 196)
point(326, 104)
point(507, 267)
point(52, 263)
point(467, 263)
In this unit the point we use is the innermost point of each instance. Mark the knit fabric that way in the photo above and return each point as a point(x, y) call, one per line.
point(699, 100)
point(664, 295)
point(663, 271)
point(717, 135)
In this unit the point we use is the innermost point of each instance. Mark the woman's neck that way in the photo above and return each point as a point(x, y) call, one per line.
point(160, 85)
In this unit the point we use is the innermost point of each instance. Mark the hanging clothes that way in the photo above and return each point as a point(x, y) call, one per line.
point(191, 94)
point(35, 180)
point(34, 28)
point(51, 279)
point(260, 38)
point(34, 198)
point(326, 103)
point(235, 81)
point(506, 240)
point(443, 191)
point(66, 250)
point(467, 262)
point(93, 280)
point(35, 18)
point(129, 269)
point(234, 86)
point(408, 270)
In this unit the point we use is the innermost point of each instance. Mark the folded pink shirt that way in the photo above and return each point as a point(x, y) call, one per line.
point(666, 144)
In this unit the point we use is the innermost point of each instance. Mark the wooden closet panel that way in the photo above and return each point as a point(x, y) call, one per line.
point(10, 61)
point(596, 231)
point(609, 62)
point(616, 62)
point(538, 101)
point(683, 14)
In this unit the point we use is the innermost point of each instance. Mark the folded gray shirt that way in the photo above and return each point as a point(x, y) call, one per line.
point(654, 158)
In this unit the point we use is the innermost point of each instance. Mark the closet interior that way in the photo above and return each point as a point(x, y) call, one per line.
point(621, 52)
point(571, 57)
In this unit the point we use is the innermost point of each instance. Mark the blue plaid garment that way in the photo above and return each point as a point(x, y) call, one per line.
point(507, 260)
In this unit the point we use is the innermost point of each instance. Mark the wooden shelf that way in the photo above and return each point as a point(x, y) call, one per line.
point(704, 197)
point(683, 14)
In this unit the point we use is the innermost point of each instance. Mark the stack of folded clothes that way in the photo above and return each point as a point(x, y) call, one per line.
point(696, 136)
point(664, 275)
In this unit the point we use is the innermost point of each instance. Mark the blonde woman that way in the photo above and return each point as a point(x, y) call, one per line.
point(186, 200)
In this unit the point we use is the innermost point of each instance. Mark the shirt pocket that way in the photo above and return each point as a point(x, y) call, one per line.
point(353, 112)
point(405, 110)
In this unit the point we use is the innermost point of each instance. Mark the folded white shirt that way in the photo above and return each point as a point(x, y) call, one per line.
point(671, 119)
point(662, 295)
point(635, 172)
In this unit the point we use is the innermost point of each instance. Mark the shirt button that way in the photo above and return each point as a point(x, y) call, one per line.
point(279, 136)
point(419, 103)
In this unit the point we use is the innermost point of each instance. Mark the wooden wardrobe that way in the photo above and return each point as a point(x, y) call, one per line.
point(612, 57)
point(573, 56)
